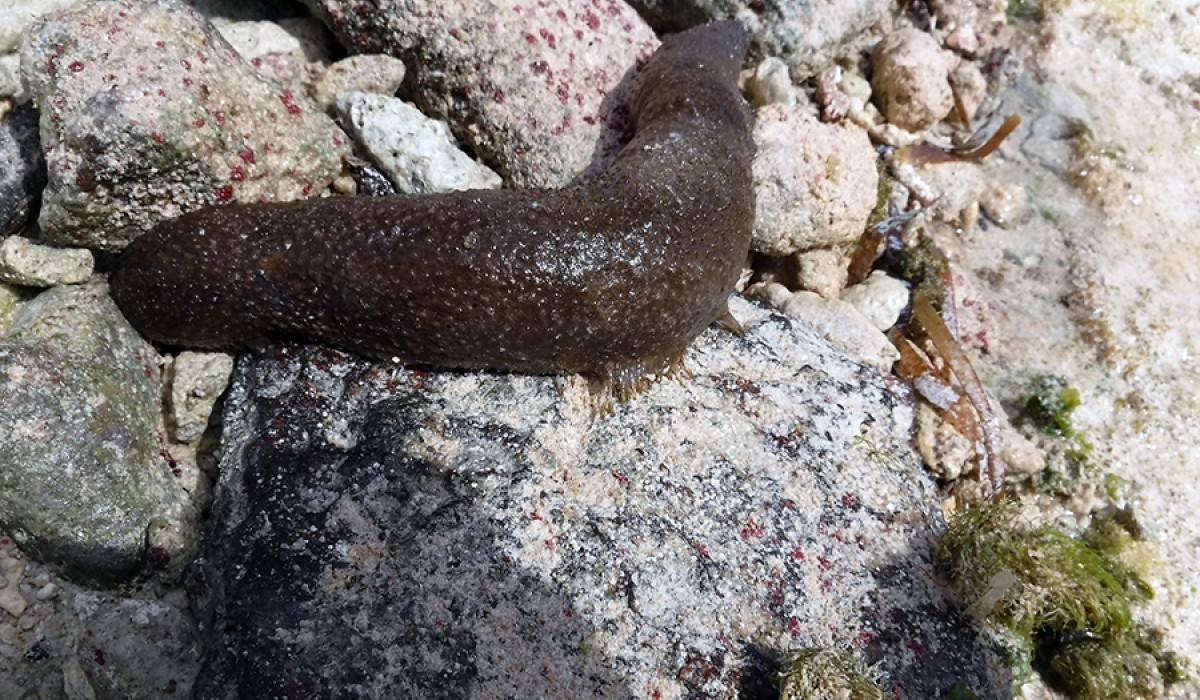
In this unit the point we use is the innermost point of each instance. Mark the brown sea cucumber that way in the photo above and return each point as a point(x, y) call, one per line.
point(613, 275)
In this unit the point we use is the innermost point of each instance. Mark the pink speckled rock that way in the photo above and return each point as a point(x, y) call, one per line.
point(146, 113)
point(535, 88)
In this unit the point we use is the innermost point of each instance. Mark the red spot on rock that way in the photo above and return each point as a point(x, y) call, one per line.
point(796, 554)
point(75, 66)
point(849, 500)
point(579, 34)
point(824, 563)
point(620, 477)
point(161, 44)
point(187, 81)
point(237, 174)
point(159, 557)
point(561, 15)
point(752, 529)
point(593, 22)
point(539, 67)
point(531, 39)
point(198, 122)
point(498, 96)
point(157, 137)
point(306, 189)
point(917, 648)
point(225, 193)
point(563, 93)
point(864, 638)
point(218, 116)
point(288, 100)
point(247, 155)
point(186, 64)
point(589, 120)
point(548, 38)
point(794, 627)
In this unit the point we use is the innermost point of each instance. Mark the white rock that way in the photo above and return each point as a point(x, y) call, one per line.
point(911, 79)
point(836, 321)
point(822, 270)
point(12, 600)
point(771, 83)
point(417, 153)
point(881, 298)
point(25, 263)
point(198, 379)
point(815, 183)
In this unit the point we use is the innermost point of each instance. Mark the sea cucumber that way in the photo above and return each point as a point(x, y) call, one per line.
point(613, 275)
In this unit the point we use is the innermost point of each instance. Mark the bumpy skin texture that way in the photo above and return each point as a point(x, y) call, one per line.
point(620, 272)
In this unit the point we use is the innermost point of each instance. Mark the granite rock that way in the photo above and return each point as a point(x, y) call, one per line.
point(386, 532)
point(147, 112)
point(537, 90)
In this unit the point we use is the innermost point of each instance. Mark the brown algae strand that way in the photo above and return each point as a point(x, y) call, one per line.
point(618, 273)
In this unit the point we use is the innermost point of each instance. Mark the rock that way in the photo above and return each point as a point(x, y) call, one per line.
point(771, 84)
point(971, 27)
point(25, 263)
point(376, 73)
point(173, 121)
point(957, 188)
point(536, 90)
point(822, 270)
point(805, 34)
point(84, 485)
point(912, 79)
point(944, 450)
point(15, 20)
point(12, 601)
point(836, 321)
point(815, 183)
point(417, 153)
point(1006, 203)
point(10, 297)
point(880, 298)
point(292, 51)
point(197, 380)
point(474, 535)
point(22, 168)
point(136, 642)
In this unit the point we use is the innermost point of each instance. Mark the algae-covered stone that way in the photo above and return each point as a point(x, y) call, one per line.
point(81, 480)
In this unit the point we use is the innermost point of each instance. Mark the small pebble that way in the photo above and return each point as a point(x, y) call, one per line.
point(771, 83)
point(25, 263)
point(880, 297)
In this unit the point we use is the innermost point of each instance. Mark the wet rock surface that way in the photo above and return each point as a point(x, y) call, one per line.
point(384, 533)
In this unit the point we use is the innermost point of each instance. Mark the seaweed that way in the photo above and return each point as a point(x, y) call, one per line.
point(814, 673)
point(1065, 602)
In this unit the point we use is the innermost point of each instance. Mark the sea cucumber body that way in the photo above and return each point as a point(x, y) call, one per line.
point(621, 271)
